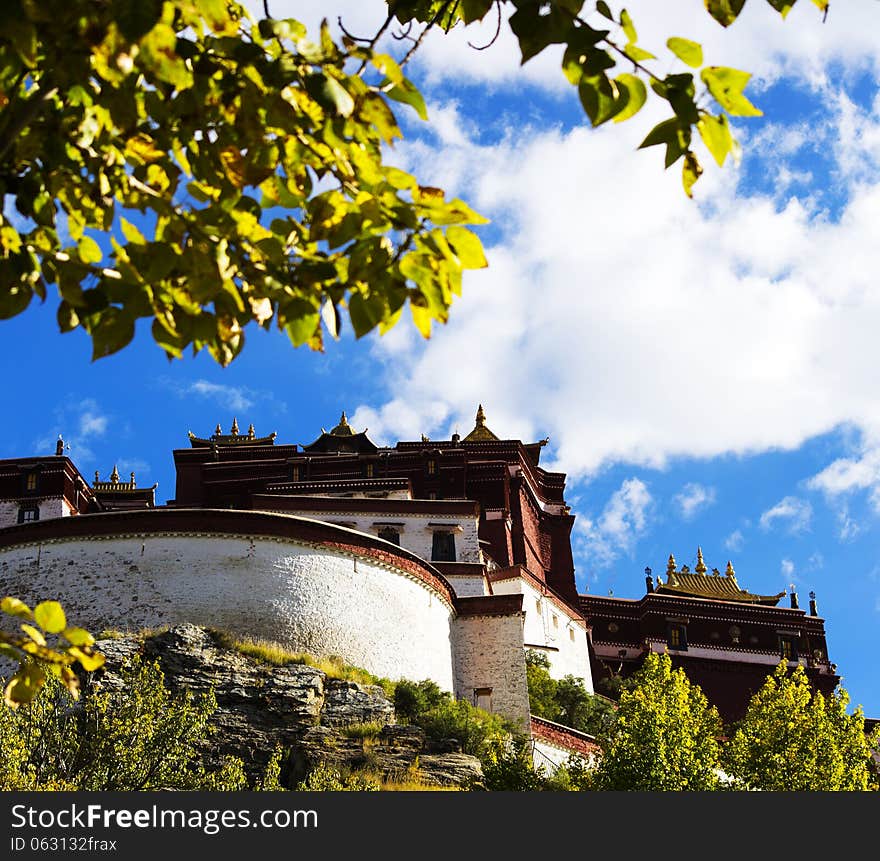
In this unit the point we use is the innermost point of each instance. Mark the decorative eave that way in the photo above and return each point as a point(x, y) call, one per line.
point(114, 485)
point(218, 438)
point(699, 584)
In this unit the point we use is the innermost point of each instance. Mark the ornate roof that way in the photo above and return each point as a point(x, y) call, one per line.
point(232, 438)
point(699, 584)
point(342, 438)
point(117, 486)
point(480, 432)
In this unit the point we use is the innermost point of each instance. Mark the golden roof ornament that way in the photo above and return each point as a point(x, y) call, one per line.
point(218, 431)
point(343, 428)
point(114, 476)
point(701, 565)
point(670, 565)
point(234, 430)
point(251, 432)
point(480, 432)
point(729, 572)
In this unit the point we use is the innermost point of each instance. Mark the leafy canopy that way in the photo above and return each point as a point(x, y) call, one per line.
point(665, 737)
point(46, 646)
point(795, 739)
point(178, 162)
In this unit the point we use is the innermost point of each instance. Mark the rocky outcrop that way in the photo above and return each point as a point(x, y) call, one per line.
point(297, 707)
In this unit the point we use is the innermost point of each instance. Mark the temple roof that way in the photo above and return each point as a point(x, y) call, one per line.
point(342, 438)
point(232, 438)
point(480, 431)
point(114, 485)
point(699, 584)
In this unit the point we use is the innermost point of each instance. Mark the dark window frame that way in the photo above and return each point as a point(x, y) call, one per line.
point(443, 546)
point(676, 636)
point(32, 509)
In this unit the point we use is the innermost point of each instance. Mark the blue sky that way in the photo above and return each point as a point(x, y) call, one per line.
point(705, 370)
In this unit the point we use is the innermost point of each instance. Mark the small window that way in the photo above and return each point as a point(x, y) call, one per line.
point(432, 495)
point(30, 482)
point(538, 605)
point(28, 515)
point(432, 467)
point(555, 621)
point(389, 533)
point(788, 648)
point(368, 470)
point(294, 473)
point(571, 634)
point(483, 698)
point(443, 547)
point(676, 637)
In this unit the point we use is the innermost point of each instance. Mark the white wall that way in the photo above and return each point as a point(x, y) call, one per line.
point(55, 506)
point(415, 534)
point(468, 585)
point(489, 654)
point(308, 599)
point(564, 640)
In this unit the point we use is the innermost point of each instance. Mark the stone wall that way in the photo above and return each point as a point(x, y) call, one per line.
point(489, 654)
point(314, 599)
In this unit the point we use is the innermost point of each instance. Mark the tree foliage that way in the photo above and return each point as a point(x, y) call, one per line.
point(136, 737)
point(46, 646)
point(795, 739)
point(665, 737)
point(566, 700)
point(178, 162)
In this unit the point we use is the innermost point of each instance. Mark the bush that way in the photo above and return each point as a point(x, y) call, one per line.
point(325, 778)
point(412, 699)
point(140, 737)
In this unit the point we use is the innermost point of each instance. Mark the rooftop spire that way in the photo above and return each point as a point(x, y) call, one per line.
point(234, 429)
point(701, 565)
point(343, 428)
point(729, 572)
point(114, 476)
point(480, 432)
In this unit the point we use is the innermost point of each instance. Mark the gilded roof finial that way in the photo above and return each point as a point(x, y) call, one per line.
point(670, 565)
point(97, 476)
point(343, 420)
point(218, 431)
point(251, 432)
point(132, 481)
point(114, 476)
point(701, 565)
point(234, 430)
point(481, 417)
point(729, 572)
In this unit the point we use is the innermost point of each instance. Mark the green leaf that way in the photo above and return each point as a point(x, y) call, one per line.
point(602, 9)
point(365, 313)
point(636, 96)
point(15, 607)
point(475, 10)
point(78, 636)
point(691, 171)
point(113, 331)
point(24, 685)
point(628, 27)
point(725, 12)
point(687, 51)
point(34, 633)
point(670, 133)
point(637, 54)
point(136, 19)
point(49, 615)
point(406, 93)
point(131, 233)
point(89, 660)
point(330, 94)
point(715, 132)
point(467, 247)
point(783, 7)
point(726, 86)
point(331, 318)
point(89, 250)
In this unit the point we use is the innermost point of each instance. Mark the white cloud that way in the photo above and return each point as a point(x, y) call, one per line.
point(693, 499)
point(787, 569)
point(735, 541)
point(92, 422)
point(795, 513)
point(623, 520)
point(631, 325)
point(230, 397)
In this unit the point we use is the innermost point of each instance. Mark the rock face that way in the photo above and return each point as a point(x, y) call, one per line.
point(296, 707)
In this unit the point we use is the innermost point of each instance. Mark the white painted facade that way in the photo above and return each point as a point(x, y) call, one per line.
point(416, 530)
point(552, 630)
point(305, 598)
point(52, 506)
